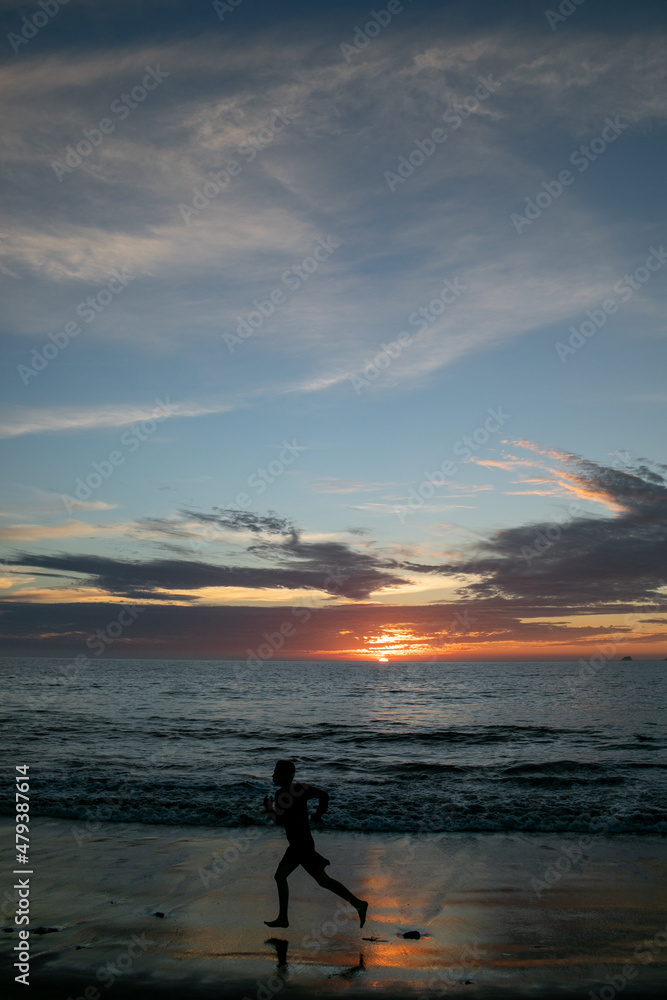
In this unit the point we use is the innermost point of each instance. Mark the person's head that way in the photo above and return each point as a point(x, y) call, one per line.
point(283, 772)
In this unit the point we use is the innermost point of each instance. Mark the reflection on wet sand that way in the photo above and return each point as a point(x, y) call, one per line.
point(471, 899)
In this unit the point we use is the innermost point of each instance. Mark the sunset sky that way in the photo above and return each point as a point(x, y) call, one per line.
point(330, 342)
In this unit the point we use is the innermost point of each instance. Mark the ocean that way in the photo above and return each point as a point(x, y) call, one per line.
point(401, 747)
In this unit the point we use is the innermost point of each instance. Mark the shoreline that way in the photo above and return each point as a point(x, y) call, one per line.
point(498, 915)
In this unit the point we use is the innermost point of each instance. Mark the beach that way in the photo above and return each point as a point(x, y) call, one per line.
point(532, 915)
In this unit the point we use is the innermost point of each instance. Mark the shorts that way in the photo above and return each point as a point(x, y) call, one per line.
point(305, 856)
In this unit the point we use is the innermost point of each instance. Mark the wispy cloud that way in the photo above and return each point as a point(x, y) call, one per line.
point(332, 485)
point(70, 529)
point(153, 162)
point(23, 420)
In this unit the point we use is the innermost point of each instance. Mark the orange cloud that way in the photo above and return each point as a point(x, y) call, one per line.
point(71, 529)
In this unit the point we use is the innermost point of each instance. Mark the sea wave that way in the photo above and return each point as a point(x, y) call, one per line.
point(405, 802)
point(407, 749)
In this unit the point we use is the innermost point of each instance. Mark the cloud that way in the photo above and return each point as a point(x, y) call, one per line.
point(71, 529)
point(472, 629)
point(244, 520)
point(90, 504)
point(23, 420)
point(36, 501)
point(577, 561)
point(581, 560)
point(330, 567)
point(356, 577)
point(331, 484)
point(221, 92)
point(519, 586)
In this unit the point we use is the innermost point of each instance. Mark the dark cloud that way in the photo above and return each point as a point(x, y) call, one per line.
point(330, 568)
point(244, 520)
point(579, 565)
point(584, 559)
point(186, 523)
point(165, 526)
point(611, 565)
point(460, 629)
point(140, 580)
point(335, 568)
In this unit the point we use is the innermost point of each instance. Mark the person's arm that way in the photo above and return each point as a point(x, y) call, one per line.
point(323, 801)
point(270, 809)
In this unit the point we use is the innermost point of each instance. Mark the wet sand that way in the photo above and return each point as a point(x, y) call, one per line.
point(511, 916)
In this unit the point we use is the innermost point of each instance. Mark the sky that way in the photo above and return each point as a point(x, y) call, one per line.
point(333, 331)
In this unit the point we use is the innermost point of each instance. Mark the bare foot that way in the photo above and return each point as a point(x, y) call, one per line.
point(361, 910)
point(280, 922)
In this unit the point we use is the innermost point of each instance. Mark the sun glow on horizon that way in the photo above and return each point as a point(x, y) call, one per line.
point(394, 642)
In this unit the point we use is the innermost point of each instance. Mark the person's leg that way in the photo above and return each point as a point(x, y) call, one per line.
point(333, 885)
point(282, 871)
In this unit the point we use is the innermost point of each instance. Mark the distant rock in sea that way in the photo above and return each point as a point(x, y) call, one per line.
point(625, 658)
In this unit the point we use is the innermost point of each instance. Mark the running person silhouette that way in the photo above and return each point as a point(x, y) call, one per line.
point(290, 809)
